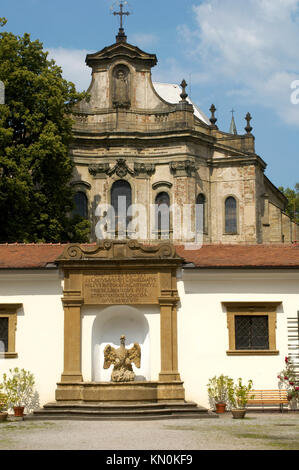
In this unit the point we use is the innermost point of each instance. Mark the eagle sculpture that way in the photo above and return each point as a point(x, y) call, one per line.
point(122, 360)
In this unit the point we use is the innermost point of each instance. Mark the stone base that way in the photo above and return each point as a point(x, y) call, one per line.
point(118, 393)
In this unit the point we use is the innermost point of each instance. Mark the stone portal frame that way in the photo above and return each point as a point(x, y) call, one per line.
point(252, 308)
point(10, 311)
point(97, 275)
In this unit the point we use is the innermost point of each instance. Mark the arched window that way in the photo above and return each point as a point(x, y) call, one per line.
point(121, 200)
point(81, 205)
point(162, 204)
point(231, 225)
point(200, 213)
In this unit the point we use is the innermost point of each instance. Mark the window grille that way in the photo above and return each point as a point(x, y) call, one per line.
point(252, 332)
point(3, 334)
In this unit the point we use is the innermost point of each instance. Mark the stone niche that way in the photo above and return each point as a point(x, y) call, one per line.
point(120, 273)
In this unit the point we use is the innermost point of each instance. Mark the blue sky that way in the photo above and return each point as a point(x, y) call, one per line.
point(240, 54)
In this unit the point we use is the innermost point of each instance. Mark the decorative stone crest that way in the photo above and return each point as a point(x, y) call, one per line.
point(184, 168)
point(121, 169)
point(122, 360)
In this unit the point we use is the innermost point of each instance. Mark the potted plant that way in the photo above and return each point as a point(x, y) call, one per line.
point(19, 388)
point(238, 396)
point(218, 392)
point(3, 407)
point(287, 378)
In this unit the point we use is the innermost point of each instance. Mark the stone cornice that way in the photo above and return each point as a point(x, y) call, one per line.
point(237, 161)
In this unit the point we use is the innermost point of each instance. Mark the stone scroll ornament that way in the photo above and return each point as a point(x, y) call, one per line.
point(122, 360)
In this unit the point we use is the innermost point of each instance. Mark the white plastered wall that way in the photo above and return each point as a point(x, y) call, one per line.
point(39, 334)
point(203, 332)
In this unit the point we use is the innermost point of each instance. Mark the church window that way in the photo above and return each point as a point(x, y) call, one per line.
point(252, 328)
point(201, 214)
point(231, 225)
point(121, 200)
point(162, 206)
point(81, 205)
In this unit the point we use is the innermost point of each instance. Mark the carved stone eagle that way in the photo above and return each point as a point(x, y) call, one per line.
point(122, 360)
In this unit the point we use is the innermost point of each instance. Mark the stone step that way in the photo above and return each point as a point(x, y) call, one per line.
point(119, 407)
point(57, 411)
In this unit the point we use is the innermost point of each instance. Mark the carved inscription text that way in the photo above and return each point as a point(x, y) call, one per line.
point(118, 288)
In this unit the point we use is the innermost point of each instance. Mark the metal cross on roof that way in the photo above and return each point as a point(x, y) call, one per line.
point(121, 13)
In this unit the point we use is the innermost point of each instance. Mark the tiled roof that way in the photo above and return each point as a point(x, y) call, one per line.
point(242, 256)
point(22, 256)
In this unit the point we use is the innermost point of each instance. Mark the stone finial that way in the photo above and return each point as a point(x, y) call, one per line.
point(248, 128)
point(213, 119)
point(184, 95)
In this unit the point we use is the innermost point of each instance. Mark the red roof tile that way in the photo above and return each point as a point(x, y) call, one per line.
point(242, 256)
point(22, 256)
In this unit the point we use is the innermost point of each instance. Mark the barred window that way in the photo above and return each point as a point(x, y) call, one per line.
point(3, 334)
point(252, 332)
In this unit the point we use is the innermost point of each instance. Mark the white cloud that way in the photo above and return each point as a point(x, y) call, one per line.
point(143, 39)
point(72, 62)
point(252, 45)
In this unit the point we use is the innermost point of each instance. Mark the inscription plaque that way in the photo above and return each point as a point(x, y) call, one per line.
point(117, 288)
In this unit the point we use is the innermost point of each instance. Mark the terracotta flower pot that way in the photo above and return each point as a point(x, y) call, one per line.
point(19, 411)
point(220, 408)
point(3, 416)
point(238, 413)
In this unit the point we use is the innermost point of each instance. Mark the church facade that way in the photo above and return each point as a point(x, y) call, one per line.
point(148, 143)
point(228, 306)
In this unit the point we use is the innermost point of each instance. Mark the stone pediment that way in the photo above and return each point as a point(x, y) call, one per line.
point(121, 50)
point(119, 249)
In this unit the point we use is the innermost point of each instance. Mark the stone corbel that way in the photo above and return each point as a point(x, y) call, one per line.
point(144, 170)
point(98, 170)
point(183, 168)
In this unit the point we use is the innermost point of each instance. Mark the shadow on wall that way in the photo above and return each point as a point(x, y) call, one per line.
point(109, 325)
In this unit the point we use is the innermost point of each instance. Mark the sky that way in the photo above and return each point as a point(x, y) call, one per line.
point(236, 54)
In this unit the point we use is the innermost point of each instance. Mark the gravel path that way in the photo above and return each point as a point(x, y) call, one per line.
point(256, 432)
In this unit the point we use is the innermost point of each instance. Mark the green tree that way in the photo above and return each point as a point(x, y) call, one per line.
point(293, 201)
point(36, 199)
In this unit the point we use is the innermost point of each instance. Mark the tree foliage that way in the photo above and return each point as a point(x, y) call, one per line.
point(293, 201)
point(35, 133)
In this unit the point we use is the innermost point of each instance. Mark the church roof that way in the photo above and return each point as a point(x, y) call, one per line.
point(171, 92)
point(38, 256)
